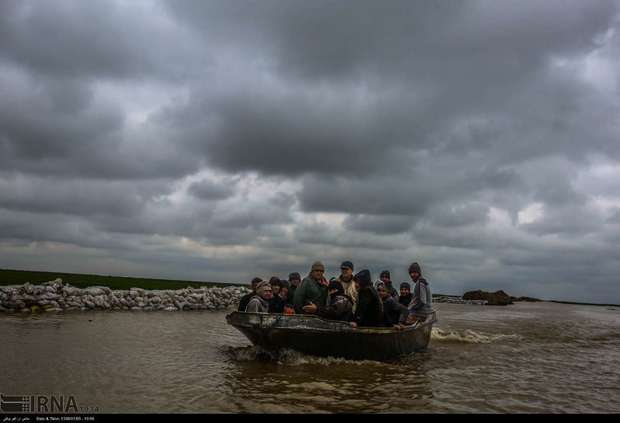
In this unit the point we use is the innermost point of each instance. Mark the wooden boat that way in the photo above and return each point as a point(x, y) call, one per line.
point(316, 336)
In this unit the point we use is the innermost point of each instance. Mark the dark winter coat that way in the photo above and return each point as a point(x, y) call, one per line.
point(405, 299)
point(243, 303)
point(309, 291)
point(340, 307)
point(291, 293)
point(276, 304)
point(394, 312)
point(369, 311)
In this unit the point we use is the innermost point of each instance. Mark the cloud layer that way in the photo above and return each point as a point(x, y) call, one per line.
point(222, 140)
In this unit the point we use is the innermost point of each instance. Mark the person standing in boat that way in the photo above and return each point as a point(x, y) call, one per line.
point(243, 303)
point(387, 281)
point(346, 279)
point(339, 305)
point(394, 313)
point(405, 294)
point(369, 311)
point(260, 302)
point(421, 302)
point(312, 292)
point(294, 280)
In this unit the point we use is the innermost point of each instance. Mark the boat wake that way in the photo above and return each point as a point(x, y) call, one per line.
point(288, 357)
point(470, 337)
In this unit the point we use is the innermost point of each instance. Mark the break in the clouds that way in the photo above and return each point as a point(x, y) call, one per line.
point(219, 140)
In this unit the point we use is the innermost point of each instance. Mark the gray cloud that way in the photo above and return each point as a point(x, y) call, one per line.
point(209, 139)
point(210, 190)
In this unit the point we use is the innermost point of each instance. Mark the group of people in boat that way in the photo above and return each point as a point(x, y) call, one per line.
point(348, 297)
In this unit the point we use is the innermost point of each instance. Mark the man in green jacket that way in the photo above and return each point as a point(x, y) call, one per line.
point(312, 292)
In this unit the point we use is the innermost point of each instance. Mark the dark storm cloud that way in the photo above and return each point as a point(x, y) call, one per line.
point(58, 127)
point(378, 224)
point(81, 198)
point(74, 39)
point(452, 78)
point(478, 137)
point(336, 39)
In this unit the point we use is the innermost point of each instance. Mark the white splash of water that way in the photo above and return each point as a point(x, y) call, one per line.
point(471, 337)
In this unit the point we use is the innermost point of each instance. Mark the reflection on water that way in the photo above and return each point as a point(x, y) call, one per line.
point(524, 358)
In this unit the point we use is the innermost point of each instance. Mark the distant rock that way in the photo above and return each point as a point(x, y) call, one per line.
point(492, 298)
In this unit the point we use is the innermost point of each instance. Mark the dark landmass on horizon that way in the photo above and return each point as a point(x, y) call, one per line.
point(79, 280)
point(17, 277)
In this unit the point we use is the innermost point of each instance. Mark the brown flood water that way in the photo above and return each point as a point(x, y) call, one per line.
point(529, 357)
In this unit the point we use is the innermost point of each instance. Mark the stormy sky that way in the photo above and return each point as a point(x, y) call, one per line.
point(220, 140)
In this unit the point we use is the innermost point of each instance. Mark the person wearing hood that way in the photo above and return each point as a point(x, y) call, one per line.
point(369, 311)
point(405, 294)
point(312, 292)
point(339, 305)
point(243, 303)
point(394, 313)
point(421, 302)
point(385, 279)
point(346, 279)
point(260, 302)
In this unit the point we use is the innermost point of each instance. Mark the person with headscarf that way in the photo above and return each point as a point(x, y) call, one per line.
point(385, 279)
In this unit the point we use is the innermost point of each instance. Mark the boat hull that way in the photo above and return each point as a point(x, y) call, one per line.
point(316, 336)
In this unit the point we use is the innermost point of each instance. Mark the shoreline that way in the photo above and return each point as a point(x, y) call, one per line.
point(54, 296)
point(78, 280)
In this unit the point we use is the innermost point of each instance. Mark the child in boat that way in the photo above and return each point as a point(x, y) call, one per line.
point(276, 304)
point(394, 313)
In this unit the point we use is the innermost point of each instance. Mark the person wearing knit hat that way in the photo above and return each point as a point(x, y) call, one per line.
point(243, 303)
point(369, 311)
point(415, 268)
point(421, 302)
point(405, 294)
point(346, 279)
point(294, 279)
point(394, 313)
point(260, 302)
point(385, 279)
point(317, 265)
point(312, 293)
